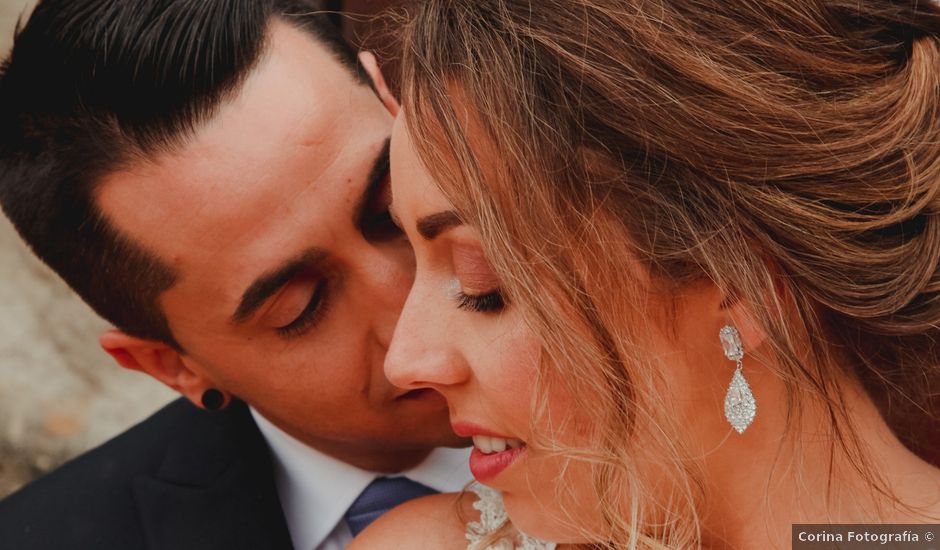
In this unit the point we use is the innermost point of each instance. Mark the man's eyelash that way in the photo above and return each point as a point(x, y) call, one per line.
point(490, 302)
point(309, 317)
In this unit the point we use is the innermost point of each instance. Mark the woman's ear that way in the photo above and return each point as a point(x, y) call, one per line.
point(752, 334)
point(371, 65)
point(158, 360)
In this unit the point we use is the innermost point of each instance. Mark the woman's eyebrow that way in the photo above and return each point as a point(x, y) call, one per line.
point(431, 226)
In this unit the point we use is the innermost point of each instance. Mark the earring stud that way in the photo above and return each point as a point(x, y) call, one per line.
point(740, 406)
point(213, 399)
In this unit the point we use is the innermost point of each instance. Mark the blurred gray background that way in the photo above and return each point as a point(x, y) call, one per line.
point(59, 393)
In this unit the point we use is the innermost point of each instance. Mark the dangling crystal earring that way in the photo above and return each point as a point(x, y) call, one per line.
point(740, 407)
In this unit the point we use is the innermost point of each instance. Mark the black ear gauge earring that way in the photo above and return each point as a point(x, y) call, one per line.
point(213, 399)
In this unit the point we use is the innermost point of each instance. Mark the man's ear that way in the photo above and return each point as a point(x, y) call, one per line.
point(157, 360)
point(371, 65)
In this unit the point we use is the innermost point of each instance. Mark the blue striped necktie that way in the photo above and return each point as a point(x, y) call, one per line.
point(379, 497)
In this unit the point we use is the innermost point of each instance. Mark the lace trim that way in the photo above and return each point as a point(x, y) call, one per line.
point(492, 518)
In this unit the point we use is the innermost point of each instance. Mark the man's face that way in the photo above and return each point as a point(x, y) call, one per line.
point(291, 275)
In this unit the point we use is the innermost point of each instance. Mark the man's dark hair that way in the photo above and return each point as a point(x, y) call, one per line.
point(92, 85)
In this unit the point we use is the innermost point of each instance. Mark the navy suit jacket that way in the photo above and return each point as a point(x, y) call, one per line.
point(182, 479)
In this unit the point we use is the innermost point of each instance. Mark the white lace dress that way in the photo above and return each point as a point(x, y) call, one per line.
point(492, 519)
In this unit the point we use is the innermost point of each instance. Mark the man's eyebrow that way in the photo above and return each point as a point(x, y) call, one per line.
point(270, 283)
point(431, 226)
point(376, 177)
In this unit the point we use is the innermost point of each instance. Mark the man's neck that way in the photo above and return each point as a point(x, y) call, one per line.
point(372, 459)
point(379, 457)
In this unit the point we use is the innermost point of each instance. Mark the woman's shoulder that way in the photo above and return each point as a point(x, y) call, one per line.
point(436, 521)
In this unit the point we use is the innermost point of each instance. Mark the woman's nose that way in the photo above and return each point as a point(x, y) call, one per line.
point(423, 352)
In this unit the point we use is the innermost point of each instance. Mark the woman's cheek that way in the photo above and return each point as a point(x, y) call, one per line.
point(514, 354)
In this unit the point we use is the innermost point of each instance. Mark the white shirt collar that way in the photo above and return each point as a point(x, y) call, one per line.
point(316, 490)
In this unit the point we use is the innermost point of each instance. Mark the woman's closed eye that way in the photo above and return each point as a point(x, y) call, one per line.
point(479, 285)
point(489, 302)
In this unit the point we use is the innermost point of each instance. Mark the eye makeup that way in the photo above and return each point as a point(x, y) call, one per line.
point(491, 302)
point(479, 286)
point(472, 269)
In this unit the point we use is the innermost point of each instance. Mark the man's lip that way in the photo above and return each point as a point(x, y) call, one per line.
point(469, 429)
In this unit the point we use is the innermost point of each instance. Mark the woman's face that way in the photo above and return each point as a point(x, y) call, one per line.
point(457, 336)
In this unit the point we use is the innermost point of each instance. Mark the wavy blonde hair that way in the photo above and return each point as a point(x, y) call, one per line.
point(787, 151)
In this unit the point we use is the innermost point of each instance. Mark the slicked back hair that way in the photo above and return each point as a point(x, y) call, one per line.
point(92, 85)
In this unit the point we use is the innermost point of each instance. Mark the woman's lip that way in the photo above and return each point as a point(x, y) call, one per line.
point(467, 429)
point(486, 467)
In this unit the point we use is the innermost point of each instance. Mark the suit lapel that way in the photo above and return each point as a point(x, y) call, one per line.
point(215, 490)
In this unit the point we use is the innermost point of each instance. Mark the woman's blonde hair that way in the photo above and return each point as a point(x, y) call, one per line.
point(787, 151)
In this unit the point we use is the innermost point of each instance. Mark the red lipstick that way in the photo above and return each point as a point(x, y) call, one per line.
point(486, 466)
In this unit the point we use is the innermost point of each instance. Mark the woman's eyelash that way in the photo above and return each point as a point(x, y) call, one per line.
point(490, 302)
point(309, 317)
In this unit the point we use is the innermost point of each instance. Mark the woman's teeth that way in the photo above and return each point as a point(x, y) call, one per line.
point(488, 445)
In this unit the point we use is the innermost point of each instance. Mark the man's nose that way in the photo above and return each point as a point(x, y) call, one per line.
point(422, 353)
